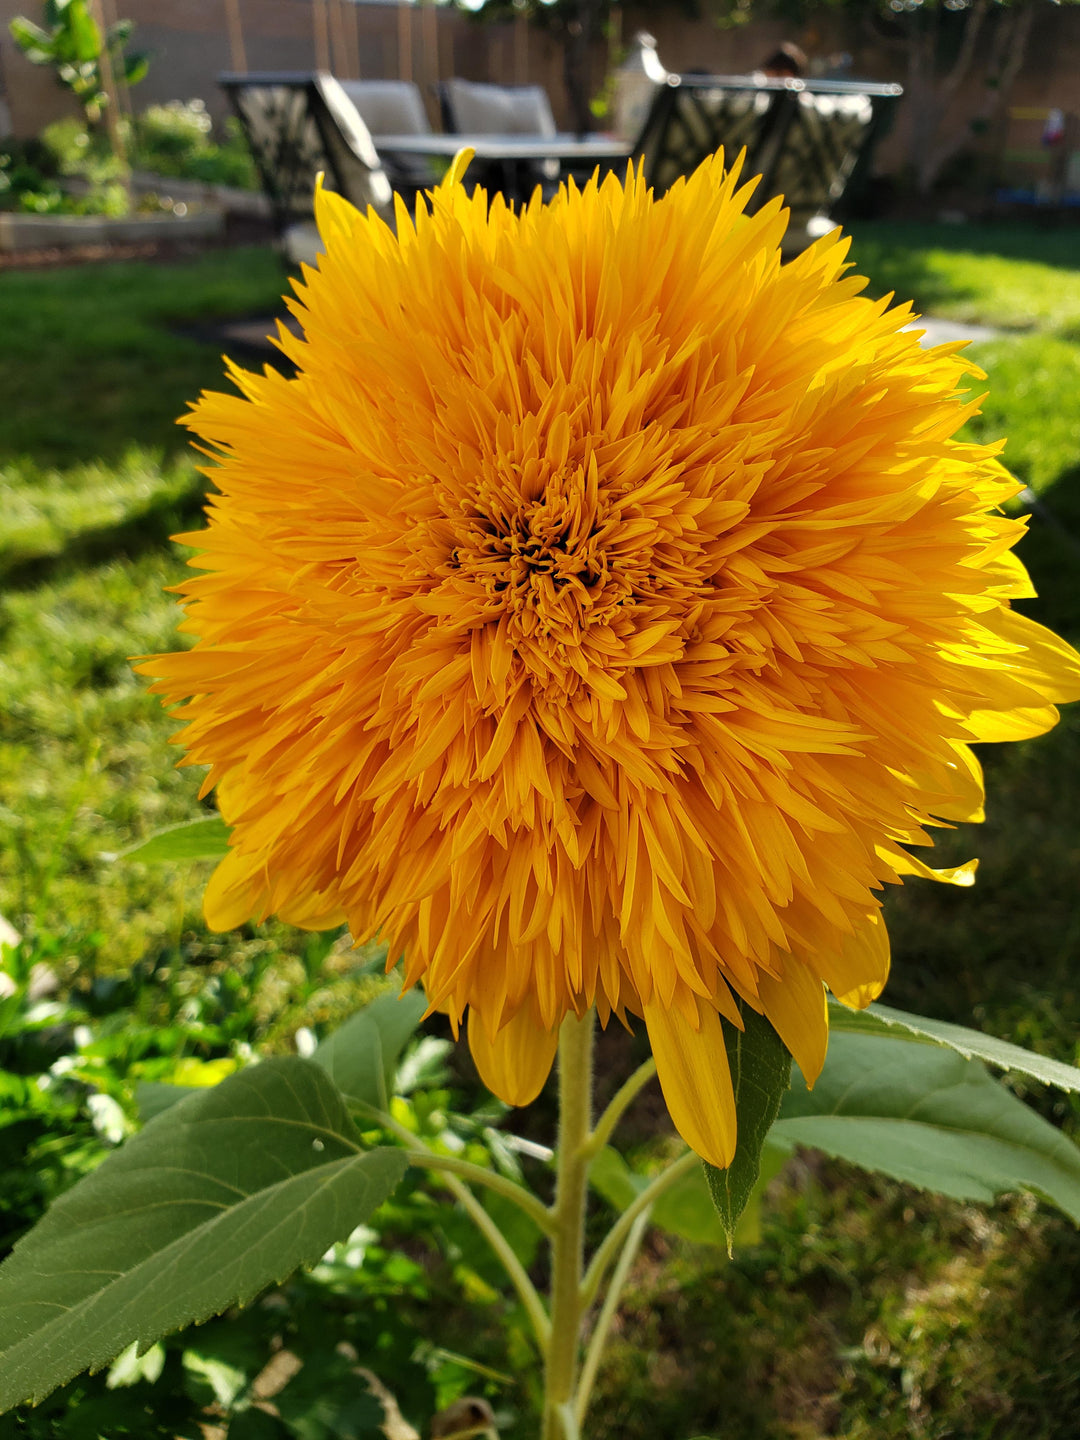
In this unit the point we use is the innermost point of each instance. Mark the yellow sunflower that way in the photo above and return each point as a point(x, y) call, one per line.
point(598, 614)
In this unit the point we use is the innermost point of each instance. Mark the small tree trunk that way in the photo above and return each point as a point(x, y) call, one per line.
point(581, 28)
point(113, 127)
point(931, 150)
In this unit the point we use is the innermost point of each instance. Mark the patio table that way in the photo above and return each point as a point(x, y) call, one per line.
point(575, 149)
point(515, 164)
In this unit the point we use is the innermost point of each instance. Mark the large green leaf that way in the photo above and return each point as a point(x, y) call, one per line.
point(362, 1055)
point(205, 839)
point(225, 1193)
point(925, 1114)
point(152, 1097)
point(883, 1020)
point(760, 1073)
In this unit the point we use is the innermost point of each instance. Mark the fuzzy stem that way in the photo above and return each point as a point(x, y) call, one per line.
point(571, 1185)
point(534, 1306)
point(491, 1179)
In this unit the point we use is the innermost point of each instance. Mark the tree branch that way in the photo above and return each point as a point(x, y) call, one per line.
point(972, 29)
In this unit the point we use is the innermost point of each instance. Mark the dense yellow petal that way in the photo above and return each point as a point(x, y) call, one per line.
point(794, 1004)
point(516, 1061)
point(857, 968)
point(601, 613)
point(692, 1065)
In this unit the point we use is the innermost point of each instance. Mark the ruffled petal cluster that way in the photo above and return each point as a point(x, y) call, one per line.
point(600, 613)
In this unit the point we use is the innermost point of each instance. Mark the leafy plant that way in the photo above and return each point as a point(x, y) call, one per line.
point(266, 1169)
point(70, 42)
point(177, 139)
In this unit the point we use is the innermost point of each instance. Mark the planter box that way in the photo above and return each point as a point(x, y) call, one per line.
point(43, 232)
point(224, 197)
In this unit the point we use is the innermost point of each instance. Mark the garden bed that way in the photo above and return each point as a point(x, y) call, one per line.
point(41, 232)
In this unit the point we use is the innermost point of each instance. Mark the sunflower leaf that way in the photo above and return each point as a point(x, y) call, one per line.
point(153, 1097)
point(227, 1192)
point(760, 1074)
point(361, 1057)
point(924, 1114)
point(973, 1044)
point(204, 839)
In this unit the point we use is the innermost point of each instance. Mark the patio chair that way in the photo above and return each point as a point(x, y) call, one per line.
point(296, 125)
point(811, 141)
point(471, 108)
point(394, 107)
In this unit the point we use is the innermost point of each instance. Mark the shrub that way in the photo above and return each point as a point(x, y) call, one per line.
point(177, 140)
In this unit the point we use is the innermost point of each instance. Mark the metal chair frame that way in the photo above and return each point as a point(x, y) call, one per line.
point(810, 141)
point(299, 123)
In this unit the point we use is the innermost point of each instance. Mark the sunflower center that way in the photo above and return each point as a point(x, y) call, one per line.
point(542, 561)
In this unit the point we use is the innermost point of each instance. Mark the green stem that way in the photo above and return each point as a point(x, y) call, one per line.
point(620, 1102)
point(537, 1212)
point(619, 1231)
point(571, 1184)
point(421, 1153)
point(598, 1339)
point(534, 1306)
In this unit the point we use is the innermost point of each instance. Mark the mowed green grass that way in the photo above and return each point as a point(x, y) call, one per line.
point(95, 476)
point(1010, 277)
point(868, 1310)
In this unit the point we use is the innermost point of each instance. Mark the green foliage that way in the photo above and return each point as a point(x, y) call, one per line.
point(972, 1044)
point(760, 1073)
point(26, 168)
point(687, 1209)
point(205, 839)
point(227, 1192)
point(72, 169)
point(355, 1295)
point(72, 45)
point(176, 139)
point(926, 1115)
point(361, 1057)
point(869, 1310)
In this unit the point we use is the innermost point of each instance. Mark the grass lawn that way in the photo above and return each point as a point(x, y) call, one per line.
point(868, 1310)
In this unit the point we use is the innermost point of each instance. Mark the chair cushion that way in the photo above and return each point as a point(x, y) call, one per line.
point(499, 109)
point(388, 107)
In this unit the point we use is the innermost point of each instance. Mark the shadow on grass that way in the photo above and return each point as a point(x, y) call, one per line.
point(896, 255)
point(92, 360)
point(1051, 552)
point(149, 528)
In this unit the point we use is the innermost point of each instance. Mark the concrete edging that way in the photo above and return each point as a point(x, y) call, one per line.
point(42, 232)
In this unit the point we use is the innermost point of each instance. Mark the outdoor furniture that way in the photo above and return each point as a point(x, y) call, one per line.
point(578, 149)
point(394, 107)
point(296, 125)
point(508, 162)
point(470, 108)
point(811, 141)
